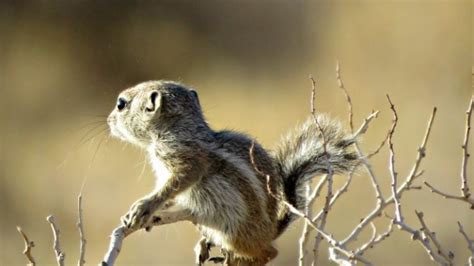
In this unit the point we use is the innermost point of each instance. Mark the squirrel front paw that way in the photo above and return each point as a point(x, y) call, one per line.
point(139, 214)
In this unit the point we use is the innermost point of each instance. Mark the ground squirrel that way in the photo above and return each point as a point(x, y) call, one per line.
point(209, 174)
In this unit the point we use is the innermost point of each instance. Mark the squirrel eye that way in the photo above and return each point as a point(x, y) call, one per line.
point(121, 103)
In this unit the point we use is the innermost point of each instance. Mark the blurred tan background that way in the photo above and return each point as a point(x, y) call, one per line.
point(62, 64)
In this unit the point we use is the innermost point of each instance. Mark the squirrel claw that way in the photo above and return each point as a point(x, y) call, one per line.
point(139, 214)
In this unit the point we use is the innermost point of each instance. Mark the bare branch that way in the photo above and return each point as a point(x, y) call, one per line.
point(424, 228)
point(465, 193)
point(377, 150)
point(119, 233)
point(399, 220)
point(469, 200)
point(28, 246)
point(373, 179)
point(421, 237)
point(470, 243)
point(421, 154)
point(336, 257)
point(317, 190)
point(376, 240)
point(369, 243)
point(381, 205)
point(465, 186)
point(313, 113)
point(418, 175)
point(393, 173)
point(423, 240)
point(304, 235)
point(306, 228)
point(336, 195)
point(80, 226)
point(115, 245)
point(326, 209)
point(60, 255)
point(361, 130)
point(340, 83)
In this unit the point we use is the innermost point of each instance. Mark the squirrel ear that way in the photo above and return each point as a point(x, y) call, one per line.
point(153, 102)
point(195, 94)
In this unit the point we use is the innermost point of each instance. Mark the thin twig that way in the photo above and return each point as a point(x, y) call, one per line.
point(470, 243)
point(80, 226)
point(370, 171)
point(60, 255)
point(399, 220)
point(306, 228)
point(465, 192)
point(362, 129)
point(369, 243)
point(365, 161)
point(304, 235)
point(377, 150)
point(420, 155)
point(393, 173)
point(447, 256)
point(322, 223)
point(381, 205)
point(469, 200)
point(423, 240)
point(313, 113)
point(326, 209)
point(28, 246)
point(375, 241)
point(317, 190)
point(465, 186)
point(336, 196)
point(340, 83)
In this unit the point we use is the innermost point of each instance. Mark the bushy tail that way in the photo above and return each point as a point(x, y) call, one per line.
point(300, 157)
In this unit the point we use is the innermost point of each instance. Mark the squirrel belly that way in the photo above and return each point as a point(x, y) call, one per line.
point(230, 203)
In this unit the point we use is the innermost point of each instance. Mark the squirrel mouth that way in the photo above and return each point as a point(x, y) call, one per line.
point(114, 130)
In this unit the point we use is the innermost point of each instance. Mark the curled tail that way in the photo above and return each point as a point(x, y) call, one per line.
point(300, 157)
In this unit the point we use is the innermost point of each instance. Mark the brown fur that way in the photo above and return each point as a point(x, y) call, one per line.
point(210, 174)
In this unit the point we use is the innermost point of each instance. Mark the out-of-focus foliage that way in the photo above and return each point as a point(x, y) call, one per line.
point(62, 64)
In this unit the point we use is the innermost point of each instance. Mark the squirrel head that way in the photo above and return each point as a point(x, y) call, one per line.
point(152, 108)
